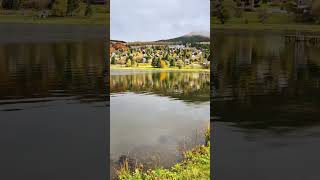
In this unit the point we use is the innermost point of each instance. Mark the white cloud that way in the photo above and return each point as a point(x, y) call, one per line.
point(145, 20)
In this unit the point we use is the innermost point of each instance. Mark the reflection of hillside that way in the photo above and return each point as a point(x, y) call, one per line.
point(54, 69)
point(194, 87)
point(265, 82)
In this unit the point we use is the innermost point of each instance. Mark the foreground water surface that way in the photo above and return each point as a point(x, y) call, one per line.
point(155, 116)
point(53, 109)
point(266, 107)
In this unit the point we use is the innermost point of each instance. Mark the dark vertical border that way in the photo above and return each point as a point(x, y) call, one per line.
point(211, 95)
point(107, 83)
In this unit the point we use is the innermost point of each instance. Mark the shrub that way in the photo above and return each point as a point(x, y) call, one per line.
point(180, 64)
point(155, 62)
point(134, 63)
point(129, 64)
point(113, 60)
point(59, 7)
point(173, 63)
point(207, 135)
point(206, 65)
point(123, 60)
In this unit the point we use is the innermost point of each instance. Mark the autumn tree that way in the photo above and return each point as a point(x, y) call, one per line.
point(59, 7)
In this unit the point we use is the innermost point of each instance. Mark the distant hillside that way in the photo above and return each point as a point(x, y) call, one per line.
point(190, 38)
point(117, 41)
point(199, 33)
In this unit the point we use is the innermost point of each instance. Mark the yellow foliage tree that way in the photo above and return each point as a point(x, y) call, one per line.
point(59, 7)
point(163, 64)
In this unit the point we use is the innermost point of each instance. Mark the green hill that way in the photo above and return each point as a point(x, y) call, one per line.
point(190, 38)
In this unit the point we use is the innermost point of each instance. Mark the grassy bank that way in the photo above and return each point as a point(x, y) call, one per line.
point(268, 27)
point(100, 16)
point(148, 68)
point(196, 165)
point(274, 22)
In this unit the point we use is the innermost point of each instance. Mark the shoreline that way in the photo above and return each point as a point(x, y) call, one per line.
point(29, 33)
point(307, 28)
point(112, 67)
point(57, 21)
point(100, 16)
point(195, 165)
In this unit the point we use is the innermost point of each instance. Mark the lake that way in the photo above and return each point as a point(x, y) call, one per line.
point(155, 116)
point(53, 103)
point(266, 107)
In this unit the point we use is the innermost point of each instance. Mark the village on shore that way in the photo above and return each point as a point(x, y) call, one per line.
point(160, 55)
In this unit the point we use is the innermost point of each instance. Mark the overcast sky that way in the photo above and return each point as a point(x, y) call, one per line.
point(147, 20)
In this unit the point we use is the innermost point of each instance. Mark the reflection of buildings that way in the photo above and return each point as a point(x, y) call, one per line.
point(38, 70)
point(264, 65)
point(275, 86)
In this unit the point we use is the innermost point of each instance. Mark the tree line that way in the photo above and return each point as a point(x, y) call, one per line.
point(57, 7)
point(301, 10)
point(163, 57)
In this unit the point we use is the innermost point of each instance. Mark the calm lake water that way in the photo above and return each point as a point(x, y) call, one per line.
point(157, 115)
point(266, 107)
point(53, 108)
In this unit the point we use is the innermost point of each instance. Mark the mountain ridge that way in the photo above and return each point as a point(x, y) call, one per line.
point(200, 36)
point(191, 37)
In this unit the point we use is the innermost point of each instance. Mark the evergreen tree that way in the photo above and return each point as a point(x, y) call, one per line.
point(156, 62)
point(220, 11)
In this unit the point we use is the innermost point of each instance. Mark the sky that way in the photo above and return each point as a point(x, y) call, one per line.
point(149, 20)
